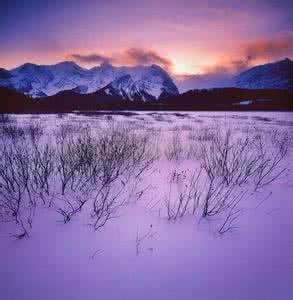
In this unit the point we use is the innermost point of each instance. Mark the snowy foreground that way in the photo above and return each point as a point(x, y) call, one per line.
point(146, 205)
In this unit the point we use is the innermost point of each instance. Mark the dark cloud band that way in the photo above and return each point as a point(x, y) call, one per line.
point(131, 56)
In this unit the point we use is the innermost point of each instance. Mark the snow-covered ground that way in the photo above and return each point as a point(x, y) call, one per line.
point(145, 251)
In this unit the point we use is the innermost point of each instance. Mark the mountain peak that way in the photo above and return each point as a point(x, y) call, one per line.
point(276, 75)
point(66, 62)
point(25, 66)
point(156, 67)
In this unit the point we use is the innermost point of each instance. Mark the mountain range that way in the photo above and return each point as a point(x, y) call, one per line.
point(130, 83)
point(139, 83)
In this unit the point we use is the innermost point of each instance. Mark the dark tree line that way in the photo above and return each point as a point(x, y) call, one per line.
point(221, 99)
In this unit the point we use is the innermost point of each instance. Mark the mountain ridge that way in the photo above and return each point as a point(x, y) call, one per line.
point(274, 75)
point(143, 83)
point(147, 82)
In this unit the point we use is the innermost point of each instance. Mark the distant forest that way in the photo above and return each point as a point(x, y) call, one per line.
point(218, 99)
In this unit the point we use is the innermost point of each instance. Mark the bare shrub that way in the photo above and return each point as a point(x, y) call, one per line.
point(231, 213)
point(187, 193)
point(217, 197)
point(42, 170)
point(229, 163)
point(75, 171)
point(229, 158)
point(123, 156)
point(99, 169)
point(16, 202)
point(174, 149)
point(270, 157)
point(204, 198)
point(241, 159)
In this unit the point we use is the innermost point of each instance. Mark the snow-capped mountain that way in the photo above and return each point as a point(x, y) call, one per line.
point(143, 83)
point(131, 83)
point(278, 75)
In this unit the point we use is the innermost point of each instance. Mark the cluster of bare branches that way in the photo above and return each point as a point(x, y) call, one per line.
point(187, 192)
point(229, 166)
point(70, 171)
point(74, 172)
point(17, 203)
point(238, 160)
point(100, 169)
point(200, 196)
point(270, 167)
point(123, 158)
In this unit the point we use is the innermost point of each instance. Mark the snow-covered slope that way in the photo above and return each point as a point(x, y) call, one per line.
point(142, 83)
point(278, 75)
point(133, 83)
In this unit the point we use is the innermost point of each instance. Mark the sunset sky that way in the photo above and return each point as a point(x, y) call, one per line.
point(186, 37)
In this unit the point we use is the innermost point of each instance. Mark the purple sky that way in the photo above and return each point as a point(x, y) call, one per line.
point(187, 37)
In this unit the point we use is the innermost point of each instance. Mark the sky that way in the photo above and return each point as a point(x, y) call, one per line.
point(186, 37)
